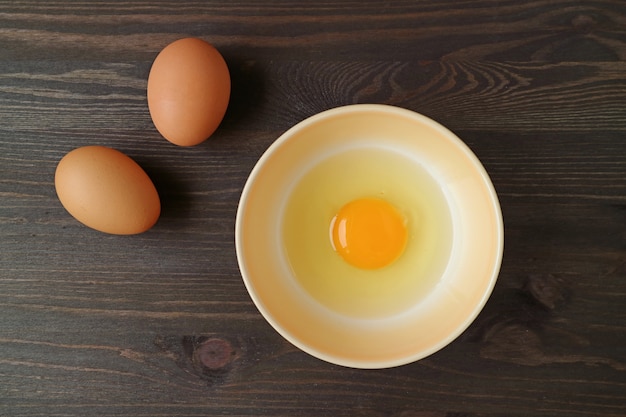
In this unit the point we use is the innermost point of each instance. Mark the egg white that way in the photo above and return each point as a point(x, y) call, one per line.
point(317, 196)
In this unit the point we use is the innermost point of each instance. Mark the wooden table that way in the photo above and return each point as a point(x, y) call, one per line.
point(160, 324)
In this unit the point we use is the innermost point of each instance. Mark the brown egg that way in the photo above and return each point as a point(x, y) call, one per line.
point(107, 191)
point(188, 91)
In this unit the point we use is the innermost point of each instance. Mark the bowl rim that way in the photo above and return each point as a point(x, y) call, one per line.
point(468, 153)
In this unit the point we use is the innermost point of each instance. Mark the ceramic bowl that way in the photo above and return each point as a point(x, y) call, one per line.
point(429, 322)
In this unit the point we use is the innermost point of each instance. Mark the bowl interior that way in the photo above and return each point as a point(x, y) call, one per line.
point(417, 330)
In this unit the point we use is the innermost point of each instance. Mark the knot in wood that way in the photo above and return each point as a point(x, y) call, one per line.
point(214, 354)
point(584, 22)
point(547, 289)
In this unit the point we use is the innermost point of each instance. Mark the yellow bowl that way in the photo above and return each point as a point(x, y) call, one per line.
point(429, 322)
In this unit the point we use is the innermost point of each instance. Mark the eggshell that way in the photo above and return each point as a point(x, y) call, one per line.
point(188, 91)
point(106, 190)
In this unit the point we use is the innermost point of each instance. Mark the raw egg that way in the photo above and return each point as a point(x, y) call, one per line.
point(367, 232)
point(106, 190)
point(188, 91)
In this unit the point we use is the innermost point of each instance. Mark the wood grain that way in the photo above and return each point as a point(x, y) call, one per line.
point(160, 324)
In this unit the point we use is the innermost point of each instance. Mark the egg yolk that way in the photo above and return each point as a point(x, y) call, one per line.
point(368, 233)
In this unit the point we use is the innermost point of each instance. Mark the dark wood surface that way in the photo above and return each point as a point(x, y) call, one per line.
point(160, 324)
